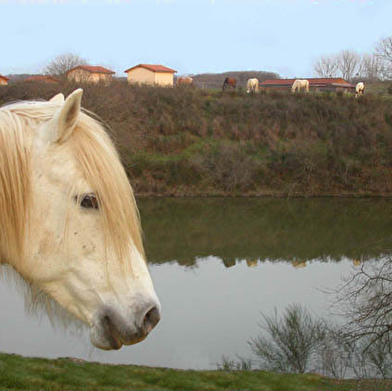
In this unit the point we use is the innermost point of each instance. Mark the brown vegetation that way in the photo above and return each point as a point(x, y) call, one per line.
point(192, 142)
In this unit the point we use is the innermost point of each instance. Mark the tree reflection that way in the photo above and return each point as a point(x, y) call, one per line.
point(296, 230)
point(365, 299)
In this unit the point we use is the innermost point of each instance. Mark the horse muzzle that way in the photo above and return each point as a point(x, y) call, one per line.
point(111, 330)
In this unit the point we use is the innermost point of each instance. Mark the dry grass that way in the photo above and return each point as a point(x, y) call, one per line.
point(193, 142)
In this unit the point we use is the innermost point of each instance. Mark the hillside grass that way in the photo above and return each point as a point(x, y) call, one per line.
point(65, 374)
point(184, 141)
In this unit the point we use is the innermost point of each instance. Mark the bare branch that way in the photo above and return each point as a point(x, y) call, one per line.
point(326, 66)
point(371, 67)
point(366, 299)
point(63, 63)
point(383, 51)
point(348, 63)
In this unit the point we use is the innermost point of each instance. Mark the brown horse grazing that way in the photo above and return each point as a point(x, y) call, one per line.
point(229, 83)
point(185, 81)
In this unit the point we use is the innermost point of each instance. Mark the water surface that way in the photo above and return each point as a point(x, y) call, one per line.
point(216, 263)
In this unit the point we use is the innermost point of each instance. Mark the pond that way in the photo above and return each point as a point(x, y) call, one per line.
point(216, 264)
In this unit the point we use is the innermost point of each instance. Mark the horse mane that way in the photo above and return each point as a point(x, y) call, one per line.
point(99, 162)
point(15, 189)
point(102, 169)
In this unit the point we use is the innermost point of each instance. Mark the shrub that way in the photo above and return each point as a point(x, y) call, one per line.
point(290, 342)
point(227, 166)
point(314, 142)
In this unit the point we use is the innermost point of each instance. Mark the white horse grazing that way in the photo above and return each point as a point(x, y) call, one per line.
point(359, 89)
point(300, 84)
point(252, 85)
point(68, 219)
point(185, 81)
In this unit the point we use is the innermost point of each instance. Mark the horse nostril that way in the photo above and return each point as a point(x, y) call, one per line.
point(151, 318)
point(106, 320)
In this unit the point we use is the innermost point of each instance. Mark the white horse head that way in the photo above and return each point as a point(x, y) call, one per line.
point(68, 219)
point(359, 89)
point(252, 85)
point(299, 84)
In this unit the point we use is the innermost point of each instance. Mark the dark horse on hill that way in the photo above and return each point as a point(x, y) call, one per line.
point(229, 83)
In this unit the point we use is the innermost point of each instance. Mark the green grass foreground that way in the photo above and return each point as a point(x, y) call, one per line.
point(22, 373)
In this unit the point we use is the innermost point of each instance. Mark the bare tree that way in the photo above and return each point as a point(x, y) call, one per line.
point(326, 66)
point(291, 341)
point(335, 352)
point(366, 300)
point(63, 63)
point(371, 67)
point(348, 63)
point(384, 52)
point(379, 357)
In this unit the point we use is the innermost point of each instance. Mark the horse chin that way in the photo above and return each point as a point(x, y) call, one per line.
point(105, 341)
point(106, 337)
point(135, 341)
point(112, 342)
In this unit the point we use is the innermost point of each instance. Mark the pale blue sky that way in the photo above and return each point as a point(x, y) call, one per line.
point(191, 36)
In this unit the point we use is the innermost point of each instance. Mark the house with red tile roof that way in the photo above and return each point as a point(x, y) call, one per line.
point(90, 74)
point(150, 74)
point(3, 80)
point(315, 84)
point(42, 79)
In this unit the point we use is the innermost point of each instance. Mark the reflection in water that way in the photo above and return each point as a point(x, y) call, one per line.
point(207, 311)
point(251, 262)
point(295, 230)
point(298, 264)
point(210, 308)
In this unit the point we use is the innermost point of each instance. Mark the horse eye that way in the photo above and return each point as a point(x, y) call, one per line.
point(89, 201)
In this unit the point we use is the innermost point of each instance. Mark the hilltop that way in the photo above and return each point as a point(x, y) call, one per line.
point(215, 80)
point(208, 80)
point(189, 142)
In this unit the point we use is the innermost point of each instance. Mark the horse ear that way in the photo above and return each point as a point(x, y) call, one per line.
point(64, 120)
point(59, 98)
point(69, 114)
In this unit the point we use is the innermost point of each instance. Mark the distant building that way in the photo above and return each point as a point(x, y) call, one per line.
point(251, 262)
point(229, 262)
point(315, 84)
point(90, 74)
point(298, 263)
point(151, 74)
point(3, 80)
point(43, 79)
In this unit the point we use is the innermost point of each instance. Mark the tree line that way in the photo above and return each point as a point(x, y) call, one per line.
point(350, 64)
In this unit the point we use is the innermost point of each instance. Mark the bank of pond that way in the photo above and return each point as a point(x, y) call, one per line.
point(36, 374)
point(189, 142)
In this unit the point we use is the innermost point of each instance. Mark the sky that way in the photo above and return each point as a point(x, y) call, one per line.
point(190, 36)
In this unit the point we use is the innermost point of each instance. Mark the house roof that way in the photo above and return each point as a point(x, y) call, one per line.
point(42, 78)
point(93, 69)
point(153, 68)
point(312, 81)
point(3, 77)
